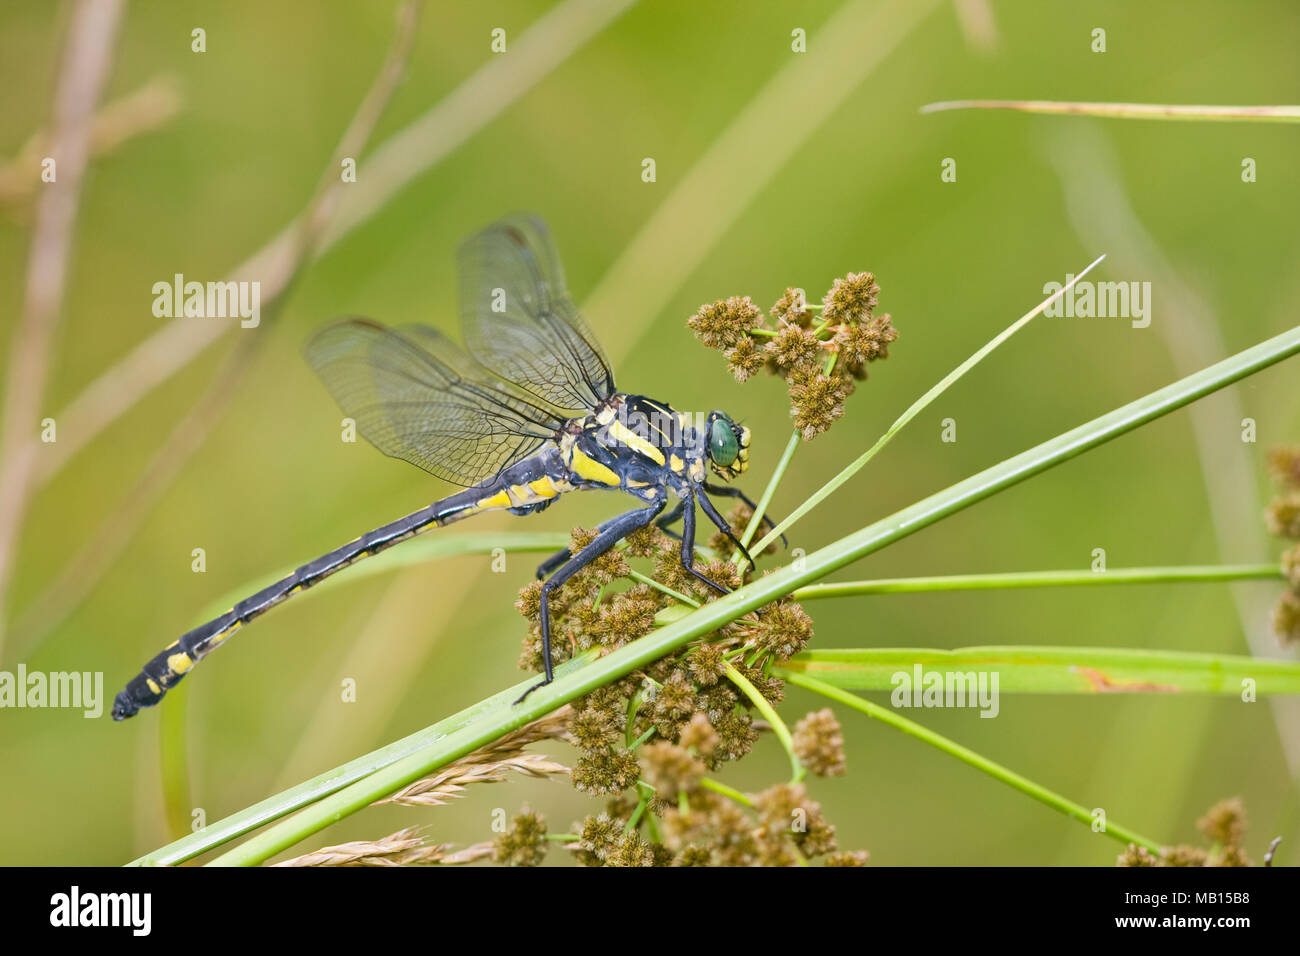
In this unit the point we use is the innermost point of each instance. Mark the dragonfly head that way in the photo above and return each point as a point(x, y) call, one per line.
point(728, 446)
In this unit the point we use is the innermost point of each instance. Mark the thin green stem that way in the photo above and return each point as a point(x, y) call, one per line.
point(979, 762)
point(731, 793)
point(769, 713)
point(652, 827)
point(756, 519)
point(633, 706)
point(635, 818)
point(663, 588)
point(1042, 579)
point(916, 408)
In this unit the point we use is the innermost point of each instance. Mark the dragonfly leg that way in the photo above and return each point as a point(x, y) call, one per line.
point(688, 546)
point(725, 528)
point(553, 562)
point(727, 491)
point(674, 515)
point(559, 557)
point(610, 533)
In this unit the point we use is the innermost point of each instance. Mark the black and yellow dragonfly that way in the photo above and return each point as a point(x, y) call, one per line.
point(529, 413)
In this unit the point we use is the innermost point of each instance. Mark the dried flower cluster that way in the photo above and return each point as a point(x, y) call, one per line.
point(1283, 516)
point(820, 744)
point(650, 741)
point(524, 844)
point(1224, 826)
point(821, 357)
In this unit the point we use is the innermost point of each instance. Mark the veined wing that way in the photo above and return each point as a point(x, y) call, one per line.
point(416, 396)
point(519, 321)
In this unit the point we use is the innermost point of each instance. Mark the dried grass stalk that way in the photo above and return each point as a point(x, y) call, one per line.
point(491, 763)
point(403, 848)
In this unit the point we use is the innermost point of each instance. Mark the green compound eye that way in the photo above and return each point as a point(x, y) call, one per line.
point(723, 447)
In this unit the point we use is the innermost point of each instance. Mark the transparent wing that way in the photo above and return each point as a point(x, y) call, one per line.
point(417, 397)
point(518, 319)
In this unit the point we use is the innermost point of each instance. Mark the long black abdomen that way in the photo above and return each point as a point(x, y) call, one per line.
point(173, 663)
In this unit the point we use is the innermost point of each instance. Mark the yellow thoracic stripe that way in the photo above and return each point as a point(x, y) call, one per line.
point(587, 468)
point(634, 441)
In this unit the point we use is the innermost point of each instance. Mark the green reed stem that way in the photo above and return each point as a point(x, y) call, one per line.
point(965, 754)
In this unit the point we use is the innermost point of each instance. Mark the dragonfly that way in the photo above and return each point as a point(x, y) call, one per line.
point(525, 412)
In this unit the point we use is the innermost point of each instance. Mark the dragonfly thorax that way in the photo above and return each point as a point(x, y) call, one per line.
point(636, 443)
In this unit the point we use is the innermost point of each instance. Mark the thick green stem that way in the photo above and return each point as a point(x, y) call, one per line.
point(1026, 669)
point(981, 763)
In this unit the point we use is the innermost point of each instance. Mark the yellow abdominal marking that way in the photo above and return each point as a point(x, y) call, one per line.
point(219, 638)
point(676, 464)
point(544, 487)
point(499, 500)
point(179, 663)
point(636, 442)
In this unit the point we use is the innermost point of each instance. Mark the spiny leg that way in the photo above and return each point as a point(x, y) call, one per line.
point(609, 534)
point(727, 491)
point(688, 546)
point(559, 557)
point(725, 528)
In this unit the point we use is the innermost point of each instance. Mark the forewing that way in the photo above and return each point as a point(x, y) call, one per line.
point(518, 319)
point(417, 397)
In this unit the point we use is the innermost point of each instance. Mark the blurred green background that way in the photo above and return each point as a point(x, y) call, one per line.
point(736, 209)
